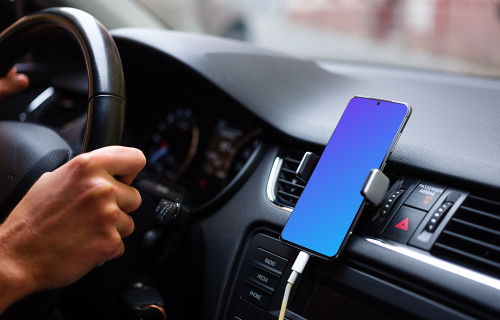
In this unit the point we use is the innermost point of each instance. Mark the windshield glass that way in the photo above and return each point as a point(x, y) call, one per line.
point(460, 36)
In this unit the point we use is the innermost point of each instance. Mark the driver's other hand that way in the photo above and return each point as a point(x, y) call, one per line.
point(12, 83)
point(72, 220)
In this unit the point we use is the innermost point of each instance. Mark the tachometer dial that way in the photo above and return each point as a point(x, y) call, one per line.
point(172, 143)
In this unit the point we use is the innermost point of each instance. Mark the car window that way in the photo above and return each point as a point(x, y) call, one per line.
point(457, 36)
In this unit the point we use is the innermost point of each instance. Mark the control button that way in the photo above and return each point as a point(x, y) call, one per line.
point(453, 196)
point(404, 223)
point(389, 203)
point(424, 196)
point(256, 296)
point(262, 278)
point(269, 261)
point(438, 215)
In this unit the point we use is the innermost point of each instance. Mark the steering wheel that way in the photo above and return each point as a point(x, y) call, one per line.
point(29, 150)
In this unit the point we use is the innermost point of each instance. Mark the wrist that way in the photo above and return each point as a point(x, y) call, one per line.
point(15, 280)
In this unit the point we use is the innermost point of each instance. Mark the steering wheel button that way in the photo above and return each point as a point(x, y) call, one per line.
point(269, 261)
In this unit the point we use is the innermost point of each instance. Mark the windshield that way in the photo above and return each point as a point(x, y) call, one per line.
point(460, 36)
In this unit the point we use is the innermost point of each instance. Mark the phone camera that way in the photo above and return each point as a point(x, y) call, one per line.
point(378, 103)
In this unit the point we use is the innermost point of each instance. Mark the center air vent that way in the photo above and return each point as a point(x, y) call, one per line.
point(472, 236)
point(284, 188)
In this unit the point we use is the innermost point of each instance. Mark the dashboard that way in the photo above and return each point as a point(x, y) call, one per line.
point(224, 126)
point(195, 142)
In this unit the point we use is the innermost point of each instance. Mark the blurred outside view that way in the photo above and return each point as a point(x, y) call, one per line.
point(460, 36)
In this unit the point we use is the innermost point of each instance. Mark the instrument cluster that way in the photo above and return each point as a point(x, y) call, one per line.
point(194, 153)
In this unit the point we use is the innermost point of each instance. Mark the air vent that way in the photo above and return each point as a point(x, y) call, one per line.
point(472, 237)
point(284, 188)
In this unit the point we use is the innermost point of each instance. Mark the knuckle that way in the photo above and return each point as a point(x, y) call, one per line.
point(104, 218)
point(97, 193)
point(113, 244)
point(101, 187)
point(80, 165)
point(80, 162)
point(109, 215)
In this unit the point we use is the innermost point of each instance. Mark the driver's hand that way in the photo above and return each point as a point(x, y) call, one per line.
point(12, 83)
point(72, 220)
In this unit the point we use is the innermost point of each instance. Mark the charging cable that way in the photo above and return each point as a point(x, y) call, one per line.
point(297, 268)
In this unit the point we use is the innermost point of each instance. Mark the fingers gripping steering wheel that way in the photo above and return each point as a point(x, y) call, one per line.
point(29, 150)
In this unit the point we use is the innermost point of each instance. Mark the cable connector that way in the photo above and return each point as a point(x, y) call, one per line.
point(297, 268)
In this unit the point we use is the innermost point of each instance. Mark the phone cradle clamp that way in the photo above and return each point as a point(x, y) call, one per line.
point(373, 190)
point(375, 187)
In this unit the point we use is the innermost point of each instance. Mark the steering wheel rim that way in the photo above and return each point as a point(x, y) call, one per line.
point(105, 117)
point(106, 98)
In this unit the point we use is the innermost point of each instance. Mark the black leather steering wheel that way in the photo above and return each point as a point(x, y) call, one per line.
point(29, 150)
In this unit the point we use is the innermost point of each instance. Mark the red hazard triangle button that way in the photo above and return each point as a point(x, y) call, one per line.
point(403, 225)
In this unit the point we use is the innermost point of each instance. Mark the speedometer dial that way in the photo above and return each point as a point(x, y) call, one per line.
point(172, 143)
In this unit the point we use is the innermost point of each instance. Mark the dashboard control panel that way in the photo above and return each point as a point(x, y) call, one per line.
point(412, 215)
point(261, 280)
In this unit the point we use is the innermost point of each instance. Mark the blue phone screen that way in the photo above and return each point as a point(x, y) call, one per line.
point(331, 199)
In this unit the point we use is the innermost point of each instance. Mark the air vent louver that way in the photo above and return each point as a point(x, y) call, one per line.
point(288, 186)
point(472, 236)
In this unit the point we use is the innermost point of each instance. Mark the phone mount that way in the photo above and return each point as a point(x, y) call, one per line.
point(373, 190)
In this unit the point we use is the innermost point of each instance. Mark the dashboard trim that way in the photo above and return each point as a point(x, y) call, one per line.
point(271, 185)
point(438, 263)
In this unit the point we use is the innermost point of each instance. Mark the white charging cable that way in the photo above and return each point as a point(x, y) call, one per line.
point(297, 268)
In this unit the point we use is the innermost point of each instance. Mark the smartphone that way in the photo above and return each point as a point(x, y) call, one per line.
point(330, 205)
